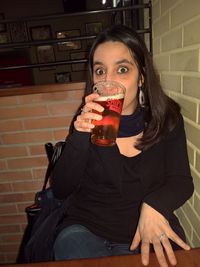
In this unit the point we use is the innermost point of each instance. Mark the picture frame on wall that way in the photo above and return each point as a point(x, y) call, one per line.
point(78, 66)
point(2, 25)
point(18, 31)
point(93, 28)
point(71, 44)
point(3, 37)
point(78, 55)
point(39, 33)
point(63, 77)
point(45, 54)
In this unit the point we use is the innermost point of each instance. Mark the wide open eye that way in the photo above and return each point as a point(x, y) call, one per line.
point(122, 70)
point(99, 71)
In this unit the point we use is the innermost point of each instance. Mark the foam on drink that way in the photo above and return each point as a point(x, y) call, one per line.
point(105, 98)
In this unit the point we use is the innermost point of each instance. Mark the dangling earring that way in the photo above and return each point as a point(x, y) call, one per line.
point(141, 96)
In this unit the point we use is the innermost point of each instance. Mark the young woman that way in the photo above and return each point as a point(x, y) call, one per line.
point(123, 197)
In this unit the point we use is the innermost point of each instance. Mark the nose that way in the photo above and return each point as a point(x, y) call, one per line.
point(109, 76)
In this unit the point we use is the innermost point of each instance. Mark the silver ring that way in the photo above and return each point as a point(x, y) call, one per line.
point(161, 236)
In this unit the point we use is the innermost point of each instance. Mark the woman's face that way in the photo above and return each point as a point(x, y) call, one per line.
point(113, 61)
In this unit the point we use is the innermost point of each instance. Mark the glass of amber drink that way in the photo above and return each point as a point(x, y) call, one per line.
point(111, 97)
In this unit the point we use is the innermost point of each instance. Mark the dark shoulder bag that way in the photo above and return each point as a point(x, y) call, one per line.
point(43, 216)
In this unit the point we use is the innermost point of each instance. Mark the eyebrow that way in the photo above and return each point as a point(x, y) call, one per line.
point(117, 62)
point(124, 61)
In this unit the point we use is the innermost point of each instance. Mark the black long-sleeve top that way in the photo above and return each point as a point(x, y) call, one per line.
point(109, 188)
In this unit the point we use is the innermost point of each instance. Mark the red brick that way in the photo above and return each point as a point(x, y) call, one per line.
point(15, 175)
point(69, 95)
point(23, 225)
point(60, 135)
point(24, 163)
point(28, 137)
point(9, 247)
point(27, 186)
point(12, 238)
point(5, 187)
point(57, 96)
point(49, 122)
point(54, 96)
point(8, 209)
point(22, 112)
point(47, 97)
point(8, 100)
point(17, 197)
point(39, 173)
point(33, 98)
point(78, 94)
point(14, 218)
point(11, 257)
point(3, 259)
point(75, 86)
point(68, 108)
point(10, 125)
point(9, 229)
point(3, 165)
point(37, 150)
point(6, 152)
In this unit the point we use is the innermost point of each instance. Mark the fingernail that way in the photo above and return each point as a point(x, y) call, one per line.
point(98, 118)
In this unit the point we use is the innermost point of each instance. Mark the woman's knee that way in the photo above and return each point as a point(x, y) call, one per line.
point(69, 232)
point(64, 246)
point(76, 241)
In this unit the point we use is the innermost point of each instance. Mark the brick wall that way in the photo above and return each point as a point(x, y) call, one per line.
point(176, 47)
point(27, 122)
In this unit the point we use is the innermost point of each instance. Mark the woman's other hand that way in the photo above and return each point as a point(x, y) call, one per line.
point(83, 122)
point(154, 229)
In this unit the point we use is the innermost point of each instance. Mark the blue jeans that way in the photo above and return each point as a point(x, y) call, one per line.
point(77, 242)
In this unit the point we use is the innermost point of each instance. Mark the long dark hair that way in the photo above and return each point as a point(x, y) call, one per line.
point(160, 112)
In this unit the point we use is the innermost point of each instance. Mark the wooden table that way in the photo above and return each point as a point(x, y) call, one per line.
point(185, 259)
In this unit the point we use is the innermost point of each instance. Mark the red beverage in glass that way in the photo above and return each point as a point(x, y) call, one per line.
point(106, 130)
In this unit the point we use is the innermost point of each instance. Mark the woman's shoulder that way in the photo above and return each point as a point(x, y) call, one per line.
point(177, 128)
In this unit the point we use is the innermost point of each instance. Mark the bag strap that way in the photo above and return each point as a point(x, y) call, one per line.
point(49, 150)
point(53, 154)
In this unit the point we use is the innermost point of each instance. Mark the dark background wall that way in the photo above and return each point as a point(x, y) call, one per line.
point(31, 54)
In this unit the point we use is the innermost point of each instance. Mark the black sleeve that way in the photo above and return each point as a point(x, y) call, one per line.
point(178, 185)
point(69, 168)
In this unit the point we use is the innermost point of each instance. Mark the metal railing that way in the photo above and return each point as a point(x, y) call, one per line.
point(25, 44)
